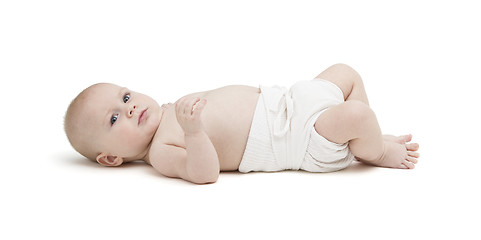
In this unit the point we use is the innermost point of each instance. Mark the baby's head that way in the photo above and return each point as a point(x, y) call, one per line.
point(111, 125)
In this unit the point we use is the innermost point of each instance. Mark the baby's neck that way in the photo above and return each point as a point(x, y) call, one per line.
point(142, 156)
point(145, 155)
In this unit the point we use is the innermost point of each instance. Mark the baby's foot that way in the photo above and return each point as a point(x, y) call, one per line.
point(398, 152)
point(399, 139)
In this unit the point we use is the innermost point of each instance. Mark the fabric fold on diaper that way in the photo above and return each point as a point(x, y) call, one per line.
point(279, 112)
point(282, 124)
point(283, 106)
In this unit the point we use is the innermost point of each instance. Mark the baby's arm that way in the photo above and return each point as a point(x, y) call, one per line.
point(201, 163)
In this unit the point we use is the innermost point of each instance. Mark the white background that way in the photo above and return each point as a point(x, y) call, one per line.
point(420, 61)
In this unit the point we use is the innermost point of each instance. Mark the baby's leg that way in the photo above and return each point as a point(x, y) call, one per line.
point(353, 121)
point(348, 80)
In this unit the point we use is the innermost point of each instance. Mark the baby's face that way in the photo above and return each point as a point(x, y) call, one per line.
point(124, 121)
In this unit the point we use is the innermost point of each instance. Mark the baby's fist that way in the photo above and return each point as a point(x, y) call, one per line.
point(188, 112)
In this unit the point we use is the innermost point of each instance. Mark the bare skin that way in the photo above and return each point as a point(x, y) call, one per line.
point(216, 130)
point(204, 133)
point(354, 121)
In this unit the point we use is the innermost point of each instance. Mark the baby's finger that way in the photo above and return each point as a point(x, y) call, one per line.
point(179, 104)
point(192, 105)
point(199, 106)
point(184, 107)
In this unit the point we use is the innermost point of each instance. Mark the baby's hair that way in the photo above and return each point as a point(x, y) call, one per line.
point(76, 132)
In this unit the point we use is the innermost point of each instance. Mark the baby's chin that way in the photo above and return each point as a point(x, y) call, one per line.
point(153, 121)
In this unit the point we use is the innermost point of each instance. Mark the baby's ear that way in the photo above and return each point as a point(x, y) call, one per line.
point(109, 160)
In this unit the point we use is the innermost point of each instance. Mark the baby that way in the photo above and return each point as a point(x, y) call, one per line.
point(320, 125)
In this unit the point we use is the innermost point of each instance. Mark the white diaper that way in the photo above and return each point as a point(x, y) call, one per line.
point(259, 154)
point(323, 155)
point(282, 131)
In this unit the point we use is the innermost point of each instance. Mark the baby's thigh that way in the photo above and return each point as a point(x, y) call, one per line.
point(340, 123)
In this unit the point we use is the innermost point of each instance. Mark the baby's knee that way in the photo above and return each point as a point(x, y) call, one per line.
point(357, 112)
point(347, 71)
point(342, 66)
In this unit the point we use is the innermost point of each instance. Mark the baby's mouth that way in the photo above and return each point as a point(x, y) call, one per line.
point(142, 116)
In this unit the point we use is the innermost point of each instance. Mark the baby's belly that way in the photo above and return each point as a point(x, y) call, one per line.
point(227, 118)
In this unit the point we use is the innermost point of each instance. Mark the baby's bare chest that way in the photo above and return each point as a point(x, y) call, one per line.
point(227, 118)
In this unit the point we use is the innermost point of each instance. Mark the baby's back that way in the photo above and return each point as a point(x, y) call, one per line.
point(227, 118)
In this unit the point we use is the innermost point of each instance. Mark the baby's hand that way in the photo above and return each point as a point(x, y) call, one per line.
point(188, 112)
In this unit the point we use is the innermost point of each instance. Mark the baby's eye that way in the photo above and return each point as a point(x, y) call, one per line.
point(113, 119)
point(126, 97)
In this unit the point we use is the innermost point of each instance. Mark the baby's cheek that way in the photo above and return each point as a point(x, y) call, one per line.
point(134, 139)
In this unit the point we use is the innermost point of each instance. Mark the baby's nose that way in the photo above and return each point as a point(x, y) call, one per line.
point(130, 112)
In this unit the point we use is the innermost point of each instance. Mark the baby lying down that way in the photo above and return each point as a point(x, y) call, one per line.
point(320, 125)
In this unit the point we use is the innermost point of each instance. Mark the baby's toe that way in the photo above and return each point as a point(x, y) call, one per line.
point(412, 146)
point(412, 159)
point(408, 164)
point(413, 154)
point(406, 138)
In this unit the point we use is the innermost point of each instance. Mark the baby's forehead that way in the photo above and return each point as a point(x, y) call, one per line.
point(94, 99)
point(103, 87)
point(100, 90)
